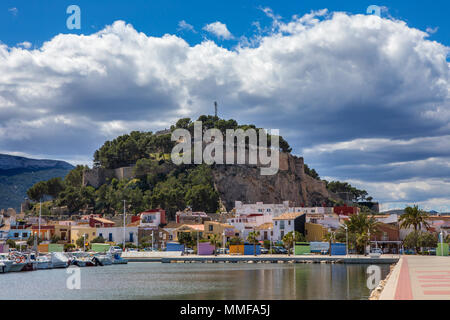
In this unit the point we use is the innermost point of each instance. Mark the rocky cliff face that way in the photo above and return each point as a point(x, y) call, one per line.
point(244, 183)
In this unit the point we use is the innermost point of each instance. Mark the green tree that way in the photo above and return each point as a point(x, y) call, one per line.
point(30, 240)
point(360, 225)
point(55, 239)
point(11, 243)
point(290, 238)
point(98, 239)
point(414, 217)
point(80, 242)
point(214, 240)
point(54, 187)
point(185, 238)
point(311, 172)
point(37, 191)
point(236, 241)
point(75, 176)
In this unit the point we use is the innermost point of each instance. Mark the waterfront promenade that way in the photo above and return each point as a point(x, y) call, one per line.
point(419, 278)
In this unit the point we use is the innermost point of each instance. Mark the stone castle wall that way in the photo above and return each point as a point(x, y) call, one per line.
point(98, 176)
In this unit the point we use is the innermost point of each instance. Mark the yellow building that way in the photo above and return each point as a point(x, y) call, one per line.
point(315, 232)
point(220, 229)
point(189, 228)
point(77, 232)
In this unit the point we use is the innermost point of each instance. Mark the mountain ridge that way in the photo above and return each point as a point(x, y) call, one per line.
point(18, 174)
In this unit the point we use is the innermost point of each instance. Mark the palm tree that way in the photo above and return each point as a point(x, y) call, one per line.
point(290, 238)
point(361, 225)
point(253, 238)
point(414, 217)
point(214, 239)
point(330, 237)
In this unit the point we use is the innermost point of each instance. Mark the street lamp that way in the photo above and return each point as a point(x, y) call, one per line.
point(442, 243)
point(223, 242)
point(124, 215)
point(346, 240)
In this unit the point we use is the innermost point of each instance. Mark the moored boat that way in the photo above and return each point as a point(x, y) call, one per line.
point(59, 260)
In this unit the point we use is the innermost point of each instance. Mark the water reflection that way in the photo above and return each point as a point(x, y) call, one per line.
point(196, 281)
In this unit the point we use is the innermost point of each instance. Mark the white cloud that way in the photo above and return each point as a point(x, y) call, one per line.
point(219, 29)
point(183, 25)
point(432, 30)
point(327, 81)
point(25, 44)
point(14, 11)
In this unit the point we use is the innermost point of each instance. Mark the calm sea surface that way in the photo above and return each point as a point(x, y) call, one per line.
point(148, 280)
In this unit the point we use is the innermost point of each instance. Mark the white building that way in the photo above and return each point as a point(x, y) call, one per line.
point(312, 210)
point(288, 222)
point(274, 209)
point(115, 234)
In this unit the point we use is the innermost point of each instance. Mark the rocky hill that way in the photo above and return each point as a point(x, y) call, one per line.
point(245, 183)
point(18, 174)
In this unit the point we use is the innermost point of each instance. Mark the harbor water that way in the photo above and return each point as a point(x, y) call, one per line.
point(147, 280)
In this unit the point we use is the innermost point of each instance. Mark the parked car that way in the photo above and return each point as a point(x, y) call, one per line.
point(264, 251)
point(189, 250)
point(223, 251)
point(150, 249)
point(280, 250)
point(376, 250)
point(115, 249)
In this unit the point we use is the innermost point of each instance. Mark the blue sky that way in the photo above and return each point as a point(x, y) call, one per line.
point(37, 21)
point(362, 99)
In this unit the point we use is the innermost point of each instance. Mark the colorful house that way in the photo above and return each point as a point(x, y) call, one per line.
point(96, 222)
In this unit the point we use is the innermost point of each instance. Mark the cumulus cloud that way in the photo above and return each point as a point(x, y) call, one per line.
point(361, 102)
point(219, 29)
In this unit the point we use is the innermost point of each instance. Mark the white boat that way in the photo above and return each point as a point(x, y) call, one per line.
point(8, 265)
point(104, 259)
point(59, 260)
point(43, 262)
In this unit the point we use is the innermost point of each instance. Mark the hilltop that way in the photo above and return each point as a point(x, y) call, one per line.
point(137, 167)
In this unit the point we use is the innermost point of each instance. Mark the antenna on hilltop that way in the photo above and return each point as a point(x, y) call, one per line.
point(215, 109)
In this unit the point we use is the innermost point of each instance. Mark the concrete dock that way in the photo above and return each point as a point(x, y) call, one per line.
point(351, 259)
point(419, 278)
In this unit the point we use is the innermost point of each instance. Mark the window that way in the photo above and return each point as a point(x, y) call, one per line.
point(289, 222)
point(211, 227)
point(100, 235)
point(276, 223)
point(282, 224)
point(110, 237)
